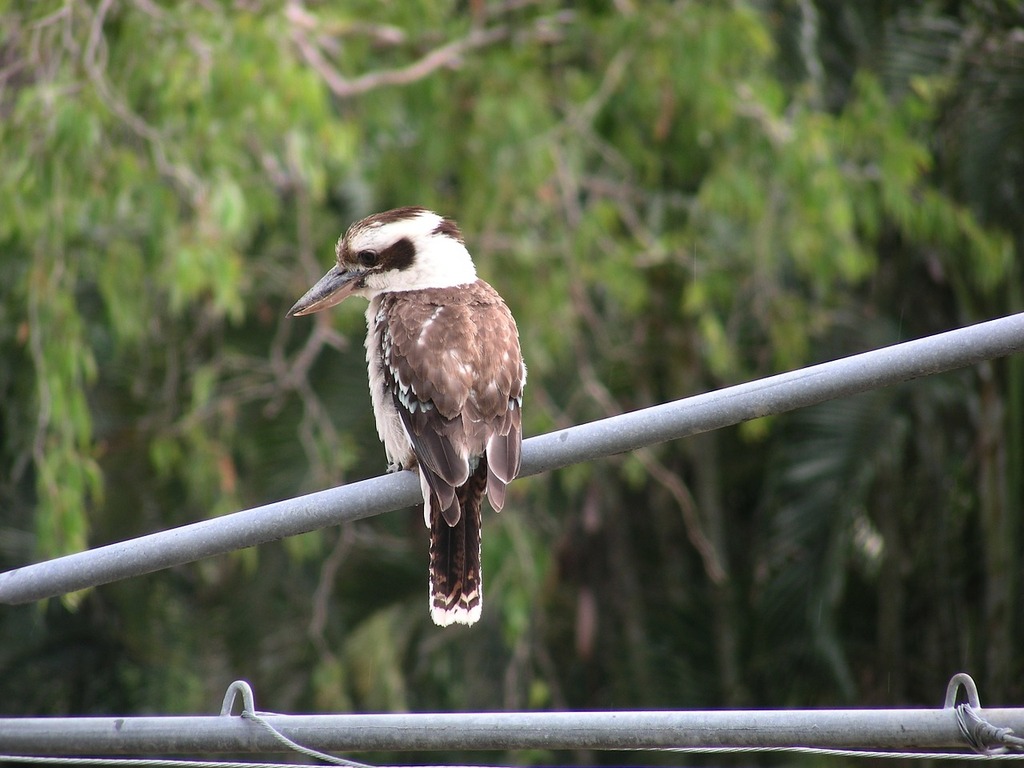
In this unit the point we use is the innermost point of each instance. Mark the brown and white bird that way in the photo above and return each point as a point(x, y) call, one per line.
point(446, 381)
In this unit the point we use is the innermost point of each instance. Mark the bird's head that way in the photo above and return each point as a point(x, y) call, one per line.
point(400, 250)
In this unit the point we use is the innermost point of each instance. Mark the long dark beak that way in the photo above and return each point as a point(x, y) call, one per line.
point(333, 288)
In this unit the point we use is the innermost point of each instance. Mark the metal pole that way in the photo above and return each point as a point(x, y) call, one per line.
point(618, 434)
point(898, 729)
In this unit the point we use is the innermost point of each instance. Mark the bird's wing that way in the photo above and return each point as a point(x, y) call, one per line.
point(453, 366)
point(504, 413)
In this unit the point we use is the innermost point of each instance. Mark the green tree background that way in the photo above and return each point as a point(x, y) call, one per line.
point(672, 197)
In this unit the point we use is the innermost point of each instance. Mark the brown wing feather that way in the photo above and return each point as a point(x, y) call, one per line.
point(454, 368)
point(503, 458)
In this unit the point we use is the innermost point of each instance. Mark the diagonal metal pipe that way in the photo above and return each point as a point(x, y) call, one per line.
point(618, 434)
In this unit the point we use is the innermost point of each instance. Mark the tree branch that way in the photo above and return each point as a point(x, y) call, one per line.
point(94, 60)
point(446, 56)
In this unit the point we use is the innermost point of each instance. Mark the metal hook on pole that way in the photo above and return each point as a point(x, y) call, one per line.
point(249, 713)
point(962, 679)
point(248, 700)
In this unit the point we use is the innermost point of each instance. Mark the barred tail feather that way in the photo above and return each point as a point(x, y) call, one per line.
point(456, 581)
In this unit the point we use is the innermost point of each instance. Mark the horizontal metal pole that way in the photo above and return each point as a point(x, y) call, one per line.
point(618, 434)
point(897, 729)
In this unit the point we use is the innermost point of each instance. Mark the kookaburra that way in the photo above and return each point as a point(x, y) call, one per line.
point(446, 381)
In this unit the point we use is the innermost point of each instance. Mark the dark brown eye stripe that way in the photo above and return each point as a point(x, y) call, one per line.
point(398, 256)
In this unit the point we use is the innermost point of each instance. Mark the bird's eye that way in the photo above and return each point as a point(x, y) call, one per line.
point(367, 258)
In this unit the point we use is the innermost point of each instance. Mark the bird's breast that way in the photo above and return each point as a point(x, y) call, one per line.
point(389, 424)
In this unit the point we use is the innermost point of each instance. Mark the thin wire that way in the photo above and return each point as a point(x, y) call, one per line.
point(109, 762)
point(138, 762)
point(832, 752)
point(243, 689)
point(282, 739)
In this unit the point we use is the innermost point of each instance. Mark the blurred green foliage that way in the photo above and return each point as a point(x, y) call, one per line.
point(671, 196)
